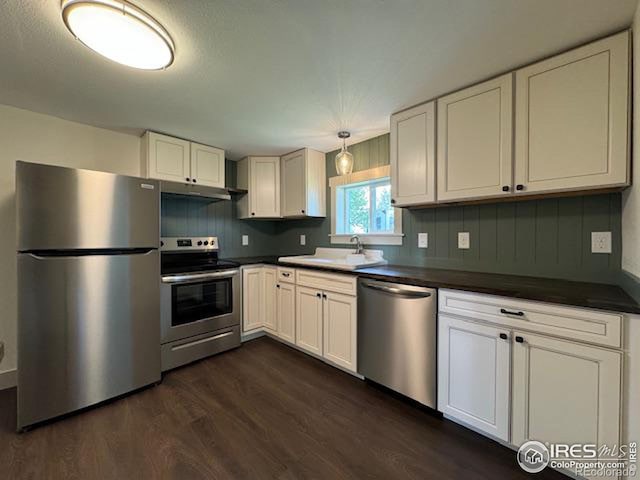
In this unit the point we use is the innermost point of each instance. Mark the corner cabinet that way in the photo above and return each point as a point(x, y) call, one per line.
point(413, 156)
point(176, 160)
point(270, 302)
point(572, 113)
point(252, 299)
point(475, 141)
point(260, 176)
point(303, 184)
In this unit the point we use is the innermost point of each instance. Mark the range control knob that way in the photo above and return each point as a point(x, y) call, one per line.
point(206, 242)
point(199, 242)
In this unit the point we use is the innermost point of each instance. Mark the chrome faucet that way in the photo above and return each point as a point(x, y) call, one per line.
point(359, 249)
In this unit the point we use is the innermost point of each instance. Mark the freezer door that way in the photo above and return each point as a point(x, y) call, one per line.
point(88, 330)
point(65, 208)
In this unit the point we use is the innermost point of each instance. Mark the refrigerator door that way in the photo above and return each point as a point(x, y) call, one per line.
point(63, 208)
point(88, 330)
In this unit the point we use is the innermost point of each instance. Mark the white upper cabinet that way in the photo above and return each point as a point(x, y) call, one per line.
point(572, 114)
point(207, 166)
point(412, 156)
point(176, 160)
point(475, 141)
point(261, 177)
point(166, 158)
point(303, 184)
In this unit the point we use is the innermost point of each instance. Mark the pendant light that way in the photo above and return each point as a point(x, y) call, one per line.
point(119, 31)
point(344, 160)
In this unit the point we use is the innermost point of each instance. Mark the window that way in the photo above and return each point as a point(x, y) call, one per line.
point(361, 205)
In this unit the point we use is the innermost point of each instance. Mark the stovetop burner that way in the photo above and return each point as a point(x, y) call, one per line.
point(191, 254)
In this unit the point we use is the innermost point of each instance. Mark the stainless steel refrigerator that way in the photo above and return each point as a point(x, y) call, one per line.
point(88, 288)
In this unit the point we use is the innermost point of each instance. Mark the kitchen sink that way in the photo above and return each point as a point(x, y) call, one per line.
point(339, 258)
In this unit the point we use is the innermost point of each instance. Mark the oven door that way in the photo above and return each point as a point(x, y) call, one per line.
point(198, 303)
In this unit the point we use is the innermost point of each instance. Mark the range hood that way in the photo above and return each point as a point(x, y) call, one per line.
point(200, 191)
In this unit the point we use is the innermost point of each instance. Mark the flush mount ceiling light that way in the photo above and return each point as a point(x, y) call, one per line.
point(344, 160)
point(119, 31)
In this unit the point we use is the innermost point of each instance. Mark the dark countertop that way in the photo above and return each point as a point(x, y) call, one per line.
point(564, 292)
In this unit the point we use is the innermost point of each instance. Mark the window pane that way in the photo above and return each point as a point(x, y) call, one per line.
point(357, 209)
point(383, 211)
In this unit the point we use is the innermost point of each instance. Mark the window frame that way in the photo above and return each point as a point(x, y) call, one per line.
point(338, 204)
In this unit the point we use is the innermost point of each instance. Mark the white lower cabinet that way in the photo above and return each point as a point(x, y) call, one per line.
point(309, 319)
point(316, 311)
point(270, 305)
point(564, 392)
point(252, 299)
point(520, 383)
point(286, 308)
point(473, 379)
point(340, 329)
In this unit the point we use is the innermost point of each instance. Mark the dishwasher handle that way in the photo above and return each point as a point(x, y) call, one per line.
point(397, 291)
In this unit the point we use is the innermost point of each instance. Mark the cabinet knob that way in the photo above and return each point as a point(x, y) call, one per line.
point(519, 187)
point(194, 180)
point(253, 213)
point(324, 295)
point(519, 339)
point(503, 336)
point(393, 200)
point(277, 286)
point(302, 211)
point(510, 312)
point(318, 295)
point(188, 179)
point(505, 188)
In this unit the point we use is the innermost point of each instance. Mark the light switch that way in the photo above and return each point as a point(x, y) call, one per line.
point(423, 240)
point(463, 240)
point(600, 242)
point(245, 240)
point(303, 239)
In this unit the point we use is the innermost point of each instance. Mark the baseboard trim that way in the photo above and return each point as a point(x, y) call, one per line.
point(245, 337)
point(8, 379)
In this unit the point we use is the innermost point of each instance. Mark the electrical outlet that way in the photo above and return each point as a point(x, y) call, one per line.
point(423, 240)
point(600, 242)
point(463, 240)
point(303, 239)
point(245, 240)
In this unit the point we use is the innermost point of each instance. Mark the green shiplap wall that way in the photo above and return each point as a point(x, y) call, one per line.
point(550, 237)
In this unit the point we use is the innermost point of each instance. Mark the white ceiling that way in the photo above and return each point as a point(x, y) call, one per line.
point(270, 76)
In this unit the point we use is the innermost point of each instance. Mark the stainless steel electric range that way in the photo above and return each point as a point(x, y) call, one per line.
point(200, 300)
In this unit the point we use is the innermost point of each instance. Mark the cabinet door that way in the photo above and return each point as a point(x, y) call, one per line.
point(572, 115)
point(168, 158)
point(473, 375)
point(207, 165)
point(475, 141)
point(270, 298)
point(264, 187)
point(564, 392)
point(413, 162)
point(294, 184)
point(287, 312)
point(309, 319)
point(340, 330)
point(252, 299)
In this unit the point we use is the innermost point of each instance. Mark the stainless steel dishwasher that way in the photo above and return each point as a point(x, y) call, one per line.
point(397, 333)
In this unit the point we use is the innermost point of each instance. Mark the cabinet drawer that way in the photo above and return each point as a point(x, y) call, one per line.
point(287, 275)
point(326, 281)
point(574, 323)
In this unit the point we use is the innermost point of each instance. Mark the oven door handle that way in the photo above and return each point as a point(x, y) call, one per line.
point(192, 277)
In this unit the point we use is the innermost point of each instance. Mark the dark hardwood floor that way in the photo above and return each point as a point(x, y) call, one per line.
point(261, 411)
